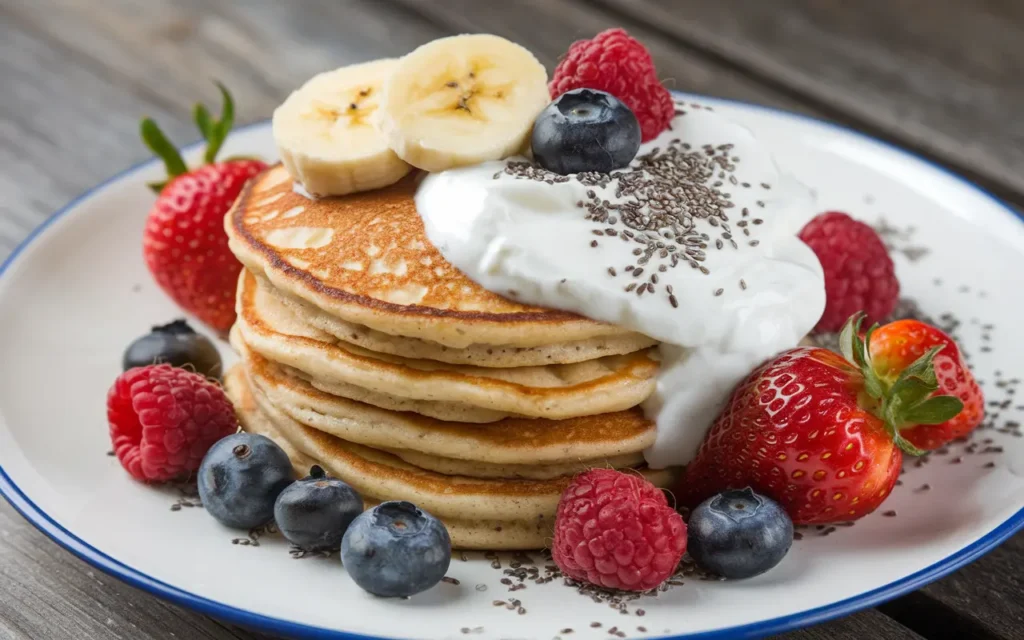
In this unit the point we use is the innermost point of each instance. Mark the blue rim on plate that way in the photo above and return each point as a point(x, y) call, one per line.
point(31, 512)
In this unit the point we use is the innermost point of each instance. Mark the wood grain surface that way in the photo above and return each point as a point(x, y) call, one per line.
point(941, 77)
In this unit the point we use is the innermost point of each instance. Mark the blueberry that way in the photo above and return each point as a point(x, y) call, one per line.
point(241, 477)
point(739, 534)
point(178, 345)
point(396, 550)
point(585, 130)
point(314, 513)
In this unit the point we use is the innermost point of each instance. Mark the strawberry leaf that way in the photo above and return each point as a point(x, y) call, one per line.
point(874, 386)
point(158, 143)
point(219, 129)
point(911, 391)
point(157, 187)
point(923, 368)
point(847, 338)
point(865, 345)
point(909, 400)
point(203, 120)
point(934, 410)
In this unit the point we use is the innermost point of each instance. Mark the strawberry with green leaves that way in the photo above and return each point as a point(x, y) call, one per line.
point(184, 243)
point(897, 345)
point(819, 432)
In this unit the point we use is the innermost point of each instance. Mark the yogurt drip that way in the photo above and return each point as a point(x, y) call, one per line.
point(694, 245)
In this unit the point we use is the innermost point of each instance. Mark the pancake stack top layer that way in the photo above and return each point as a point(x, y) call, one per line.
point(365, 351)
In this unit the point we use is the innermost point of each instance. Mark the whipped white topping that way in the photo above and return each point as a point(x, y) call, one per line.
point(743, 287)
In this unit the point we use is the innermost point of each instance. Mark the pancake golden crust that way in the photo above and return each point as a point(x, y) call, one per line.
point(509, 441)
point(386, 477)
point(496, 356)
point(471, 533)
point(366, 259)
point(597, 386)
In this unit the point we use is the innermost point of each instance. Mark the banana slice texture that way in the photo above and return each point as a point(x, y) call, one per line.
point(326, 136)
point(462, 100)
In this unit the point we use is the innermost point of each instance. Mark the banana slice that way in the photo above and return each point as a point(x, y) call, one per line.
point(462, 100)
point(326, 137)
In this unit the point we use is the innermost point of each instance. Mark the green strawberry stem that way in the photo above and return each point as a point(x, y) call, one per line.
point(214, 132)
point(907, 401)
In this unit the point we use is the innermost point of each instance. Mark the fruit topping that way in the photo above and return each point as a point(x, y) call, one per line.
point(895, 346)
point(462, 100)
point(818, 432)
point(313, 513)
point(616, 530)
point(176, 344)
point(240, 479)
point(184, 243)
point(614, 62)
point(396, 549)
point(326, 135)
point(739, 534)
point(163, 420)
point(859, 274)
point(585, 130)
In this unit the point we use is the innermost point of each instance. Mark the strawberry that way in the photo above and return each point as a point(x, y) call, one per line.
point(896, 345)
point(184, 243)
point(818, 432)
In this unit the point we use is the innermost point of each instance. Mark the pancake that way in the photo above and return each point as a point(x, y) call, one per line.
point(479, 355)
point(513, 441)
point(453, 411)
point(380, 475)
point(365, 259)
point(608, 384)
point(465, 534)
point(455, 467)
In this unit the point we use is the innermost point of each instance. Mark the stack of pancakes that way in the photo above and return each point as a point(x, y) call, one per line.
point(364, 351)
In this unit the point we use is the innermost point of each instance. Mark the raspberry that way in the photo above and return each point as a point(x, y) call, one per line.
point(859, 274)
point(163, 420)
point(616, 530)
point(614, 62)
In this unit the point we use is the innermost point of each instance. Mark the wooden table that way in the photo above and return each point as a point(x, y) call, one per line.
point(940, 77)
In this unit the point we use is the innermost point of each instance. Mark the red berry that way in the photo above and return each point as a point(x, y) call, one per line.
point(859, 274)
point(616, 530)
point(185, 246)
point(614, 62)
point(822, 435)
point(794, 431)
point(896, 345)
point(163, 420)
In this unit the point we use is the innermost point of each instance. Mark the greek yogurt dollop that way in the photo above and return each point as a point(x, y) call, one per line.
point(694, 245)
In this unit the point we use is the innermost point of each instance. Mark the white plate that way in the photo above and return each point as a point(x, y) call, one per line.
point(77, 291)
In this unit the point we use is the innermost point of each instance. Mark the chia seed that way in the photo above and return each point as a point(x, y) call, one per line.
point(252, 539)
point(661, 195)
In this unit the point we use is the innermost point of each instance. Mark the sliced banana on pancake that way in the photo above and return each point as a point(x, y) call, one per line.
point(462, 100)
point(326, 136)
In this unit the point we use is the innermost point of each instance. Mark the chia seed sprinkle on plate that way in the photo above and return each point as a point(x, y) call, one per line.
point(252, 539)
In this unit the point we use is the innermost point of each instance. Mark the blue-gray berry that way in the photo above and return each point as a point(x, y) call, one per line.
point(739, 534)
point(313, 513)
point(241, 477)
point(396, 549)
